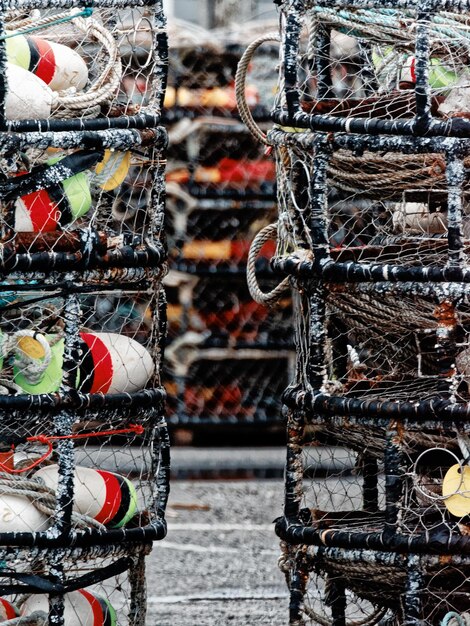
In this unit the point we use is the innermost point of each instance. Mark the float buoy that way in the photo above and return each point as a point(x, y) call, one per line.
point(47, 209)
point(18, 514)
point(7, 610)
point(108, 498)
point(456, 490)
point(81, 608)
point(110, 363)
point(113, 169)
point(440, 76)
point(57, 65)
point(28, 97)
point(51, 194)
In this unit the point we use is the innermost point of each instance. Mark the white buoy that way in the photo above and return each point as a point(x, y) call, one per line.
point(110, 363)
point(18, 514)
point(81, 608)
point(28, 97)
point(414, 217)
point(109, 498)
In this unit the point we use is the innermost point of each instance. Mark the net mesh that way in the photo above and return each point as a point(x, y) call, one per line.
point(83, 443)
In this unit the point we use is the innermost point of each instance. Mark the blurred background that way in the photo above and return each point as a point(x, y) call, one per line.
point(228, 359)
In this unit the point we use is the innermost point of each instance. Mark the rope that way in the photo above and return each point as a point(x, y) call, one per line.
point(374, 618)
point(50, 20)
point(136, 429)
point(272, 297)
point(240, 85)
point(32, 368)
point(104, 88)
point(107, 83)
point(42, 497)
point(454, 619)
point(38, 618)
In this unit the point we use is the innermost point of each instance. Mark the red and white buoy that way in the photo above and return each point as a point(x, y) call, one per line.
point(57, 65)
point(49, 209)
point(7, 610)
point(109, 498)
point(81, 608)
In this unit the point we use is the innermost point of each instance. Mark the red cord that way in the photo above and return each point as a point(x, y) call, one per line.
point(47, 441)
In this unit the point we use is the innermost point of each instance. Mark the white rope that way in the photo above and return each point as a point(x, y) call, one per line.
point(272, 297)
point(38, 618)
point(106, 85)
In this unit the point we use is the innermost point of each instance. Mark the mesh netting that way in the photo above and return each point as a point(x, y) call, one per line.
point(83, 443)
point(372, 232)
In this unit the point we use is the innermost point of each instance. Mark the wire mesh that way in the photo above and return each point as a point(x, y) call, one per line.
point(84, 450)
point(372, 230)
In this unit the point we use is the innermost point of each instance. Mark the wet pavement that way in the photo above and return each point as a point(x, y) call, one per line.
point(218, 564)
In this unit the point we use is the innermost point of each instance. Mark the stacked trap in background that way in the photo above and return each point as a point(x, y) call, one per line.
point(84, 456)
point(228, 360)
point(372, 146)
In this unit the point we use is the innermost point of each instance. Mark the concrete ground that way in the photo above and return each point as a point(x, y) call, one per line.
point(218, 564)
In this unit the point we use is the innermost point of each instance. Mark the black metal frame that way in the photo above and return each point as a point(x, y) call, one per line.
point(87, 269)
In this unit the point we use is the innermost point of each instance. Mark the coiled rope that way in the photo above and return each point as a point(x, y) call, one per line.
point(240, 86)
point(38, 618)
point(104, 87)
point(271, 298)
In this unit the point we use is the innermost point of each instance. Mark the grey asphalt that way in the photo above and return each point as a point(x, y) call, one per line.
point(218, 564)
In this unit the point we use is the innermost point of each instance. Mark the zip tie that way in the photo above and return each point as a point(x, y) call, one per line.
point(85, 13)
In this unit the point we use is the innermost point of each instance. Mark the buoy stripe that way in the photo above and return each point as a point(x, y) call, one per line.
point(10, 611)
point(42, 59)
point(413, 69)
point(125, 502)
point(108, 612)
point(42, 210)
point(113, 498)
point(98, 614)
point(59, 195)
point(97, 374)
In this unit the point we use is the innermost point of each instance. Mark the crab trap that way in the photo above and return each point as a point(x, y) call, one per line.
point(84, 451)
point(371, 139)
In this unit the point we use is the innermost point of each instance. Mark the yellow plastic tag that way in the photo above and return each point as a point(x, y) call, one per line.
point(113, 169)
point(456, 490)
point(31, 347)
